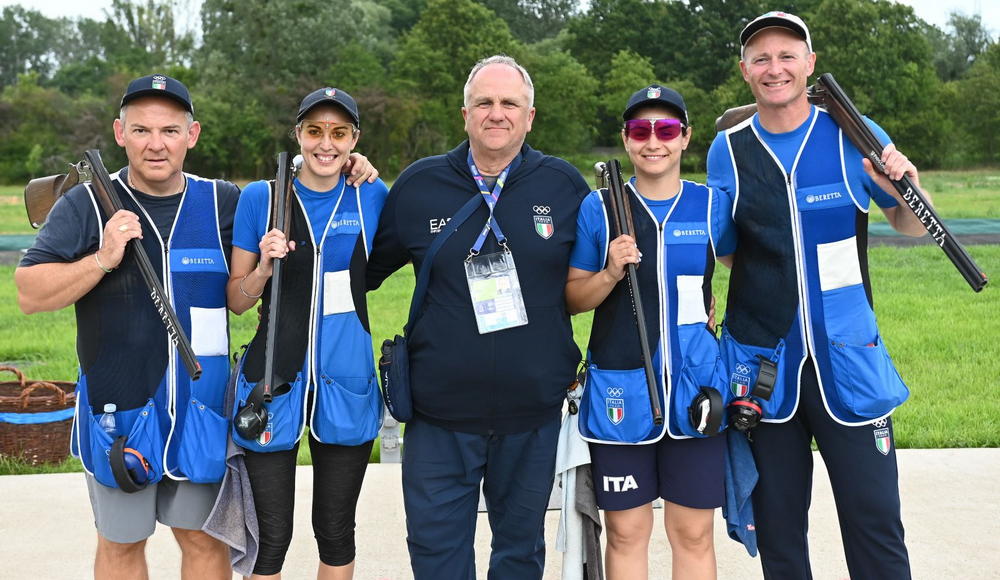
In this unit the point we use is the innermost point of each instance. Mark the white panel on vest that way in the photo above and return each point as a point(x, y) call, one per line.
point(691, 300)
point(838, 264)
point(208, 331)
point(337, 297)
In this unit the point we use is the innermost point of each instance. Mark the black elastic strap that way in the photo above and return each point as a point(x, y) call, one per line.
point(118, 469)
point(716, 410)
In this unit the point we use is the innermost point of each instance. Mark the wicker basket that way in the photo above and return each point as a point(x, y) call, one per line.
point(35, 442)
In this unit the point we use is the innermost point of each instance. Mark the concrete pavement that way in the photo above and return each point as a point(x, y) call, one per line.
point(951, 510)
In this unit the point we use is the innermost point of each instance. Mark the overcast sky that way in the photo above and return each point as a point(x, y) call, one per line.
point(933, 11)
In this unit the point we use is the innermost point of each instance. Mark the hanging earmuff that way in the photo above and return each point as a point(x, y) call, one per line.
point(129, 468)
point(706, 410)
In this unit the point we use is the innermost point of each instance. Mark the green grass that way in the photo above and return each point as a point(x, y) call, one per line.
point(13, 216)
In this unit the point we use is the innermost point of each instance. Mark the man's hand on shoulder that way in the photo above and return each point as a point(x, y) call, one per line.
point(359, 170)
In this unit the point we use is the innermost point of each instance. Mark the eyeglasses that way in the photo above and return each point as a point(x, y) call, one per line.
point(665, 129)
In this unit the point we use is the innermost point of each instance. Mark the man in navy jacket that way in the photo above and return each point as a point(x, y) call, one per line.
point(486, 405)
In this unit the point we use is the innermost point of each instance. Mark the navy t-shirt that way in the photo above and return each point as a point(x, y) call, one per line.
point(73, 230)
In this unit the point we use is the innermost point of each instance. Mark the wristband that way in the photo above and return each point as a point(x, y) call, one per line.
point(244, 292)
point(101, 266)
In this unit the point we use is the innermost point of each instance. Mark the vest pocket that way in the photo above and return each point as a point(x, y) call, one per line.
point(348, 411)
point(866, 380)
point(847, 315)
point(202, 454)
point(742, 366)
point(702, 368)
point(284, 417)
point(616, 406)
point(144, 436)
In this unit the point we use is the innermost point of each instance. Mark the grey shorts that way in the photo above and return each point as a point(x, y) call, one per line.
point(127, 518)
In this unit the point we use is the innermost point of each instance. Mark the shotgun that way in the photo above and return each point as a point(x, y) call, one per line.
point(827, 92)
point(609, 174)
point(107, 196)
point(251, 419)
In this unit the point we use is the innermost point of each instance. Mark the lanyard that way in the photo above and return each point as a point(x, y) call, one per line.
point(491, 199)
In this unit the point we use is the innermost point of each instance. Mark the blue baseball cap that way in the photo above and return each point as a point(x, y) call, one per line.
point(332, 96)
point(656, 95)
point(158, 86)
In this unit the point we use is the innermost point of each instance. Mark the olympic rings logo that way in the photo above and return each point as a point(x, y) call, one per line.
point(615, 391)
point(742, 369)
point(541, 209)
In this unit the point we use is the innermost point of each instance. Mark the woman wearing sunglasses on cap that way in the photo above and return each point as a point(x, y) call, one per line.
point(324, 349)
point(634, 461)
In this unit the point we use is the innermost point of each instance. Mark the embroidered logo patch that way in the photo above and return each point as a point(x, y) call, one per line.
point(615, 405)
point(740, 380)
point(544, 227)
point(653, 93)
point(268, 433)
point(330, 92)
point(883, 442)
point(159, 82)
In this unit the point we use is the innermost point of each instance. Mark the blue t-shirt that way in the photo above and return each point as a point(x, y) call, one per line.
point(251, 213)
point(785, 147)
point(588, 250)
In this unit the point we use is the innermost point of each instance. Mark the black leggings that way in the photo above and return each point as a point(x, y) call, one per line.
point(337, 475)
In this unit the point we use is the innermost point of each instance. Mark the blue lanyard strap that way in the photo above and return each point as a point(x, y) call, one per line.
point(491, 198)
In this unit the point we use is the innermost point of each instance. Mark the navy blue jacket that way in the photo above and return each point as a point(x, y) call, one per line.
point(508, 381)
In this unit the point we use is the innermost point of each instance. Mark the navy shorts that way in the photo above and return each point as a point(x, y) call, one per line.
point(687, 472)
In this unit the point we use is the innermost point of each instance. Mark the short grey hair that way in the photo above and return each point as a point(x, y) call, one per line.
point(504, 60)
point(121, 115)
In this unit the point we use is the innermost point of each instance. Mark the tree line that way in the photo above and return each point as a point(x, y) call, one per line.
point(249, 62)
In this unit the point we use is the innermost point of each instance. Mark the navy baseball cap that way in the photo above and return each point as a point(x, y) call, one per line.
point(772, 19)
point(158, 86)
point(656, 95)
point(333, 96)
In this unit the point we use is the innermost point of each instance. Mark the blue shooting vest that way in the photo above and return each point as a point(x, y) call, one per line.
point(177, 424)
point(675, 279)
point(799, 286)
point(338, 367)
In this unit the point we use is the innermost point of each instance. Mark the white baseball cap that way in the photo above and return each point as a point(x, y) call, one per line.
point(772, 19)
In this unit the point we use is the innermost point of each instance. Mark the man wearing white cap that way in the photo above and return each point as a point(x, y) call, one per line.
point(800, 340)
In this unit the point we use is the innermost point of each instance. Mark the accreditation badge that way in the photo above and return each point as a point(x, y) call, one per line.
point(495, 291)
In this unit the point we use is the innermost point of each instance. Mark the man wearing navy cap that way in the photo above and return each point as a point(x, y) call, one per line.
point(173, 428)
point(790, 217)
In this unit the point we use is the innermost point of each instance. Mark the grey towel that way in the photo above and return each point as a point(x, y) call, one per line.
point(233, 520)
point(586, 504)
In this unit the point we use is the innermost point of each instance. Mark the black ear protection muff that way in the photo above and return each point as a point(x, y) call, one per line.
point(744, 414)
point(129, 468)
point(251, 419)
point(705, 412)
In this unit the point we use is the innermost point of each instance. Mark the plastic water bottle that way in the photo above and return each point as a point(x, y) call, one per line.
point(108, 422)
